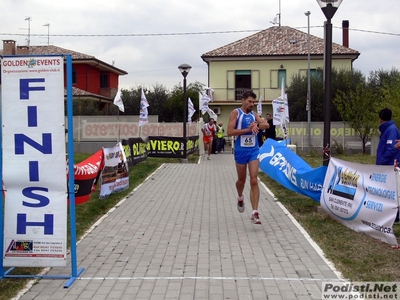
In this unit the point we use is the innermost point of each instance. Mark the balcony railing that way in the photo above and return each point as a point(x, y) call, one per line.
point(235, 94)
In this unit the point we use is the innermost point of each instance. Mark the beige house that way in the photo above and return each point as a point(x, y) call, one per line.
point(260, 62)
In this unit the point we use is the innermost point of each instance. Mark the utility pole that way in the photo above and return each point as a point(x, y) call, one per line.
point(48, 33)
point(28, 39)
point(308, 106)
point(279, 13)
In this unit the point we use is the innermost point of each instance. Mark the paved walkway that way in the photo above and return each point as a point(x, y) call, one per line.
point(179, 236)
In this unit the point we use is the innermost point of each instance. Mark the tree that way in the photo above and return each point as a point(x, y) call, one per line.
point(297, 97)
point(355, 100)
point(357, 107)
point(297, 94)
point(131, 99)
point(175, 101)
point(359, 101)
point(386, 85)
point(84, 107)
point(157, 100)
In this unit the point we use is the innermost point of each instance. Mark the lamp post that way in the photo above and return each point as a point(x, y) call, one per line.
point(308, 106)
point(329, 8)
point(184, 69)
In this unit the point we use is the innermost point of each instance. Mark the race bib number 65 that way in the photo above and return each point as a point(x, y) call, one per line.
point(247, 140)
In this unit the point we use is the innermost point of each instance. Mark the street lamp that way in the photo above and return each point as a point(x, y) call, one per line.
point(308, 105)
point(184, 69)
point(329, 8)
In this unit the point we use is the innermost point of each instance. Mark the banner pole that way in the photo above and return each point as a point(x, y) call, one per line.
point(1, 197)
point(71, 185)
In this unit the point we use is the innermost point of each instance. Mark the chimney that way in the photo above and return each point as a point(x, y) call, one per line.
point(345, 30)
point(8, 47)
point(22, 50)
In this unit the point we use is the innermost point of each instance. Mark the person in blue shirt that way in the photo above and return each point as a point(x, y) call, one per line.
point(387, 151)
point(244, 125)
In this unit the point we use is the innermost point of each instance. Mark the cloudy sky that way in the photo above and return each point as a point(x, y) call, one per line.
point(150, 39)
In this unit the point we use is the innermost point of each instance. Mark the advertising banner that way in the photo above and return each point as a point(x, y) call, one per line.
point(362, 197)
point(115, 175)
point(135, 150)
point(192, 144)
point(159, 146)
point(34, 172)
point(138, 149)
point(87, 174)
point(102, 131)
point(290, 170)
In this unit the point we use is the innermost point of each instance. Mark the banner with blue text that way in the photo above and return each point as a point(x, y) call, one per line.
point(290, 170)
point(34, 173)
point(362, 197)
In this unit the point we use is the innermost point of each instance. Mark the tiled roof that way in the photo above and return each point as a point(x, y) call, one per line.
point(54, 50)
point(50, 49)
point(277, 41)
point(77, 92)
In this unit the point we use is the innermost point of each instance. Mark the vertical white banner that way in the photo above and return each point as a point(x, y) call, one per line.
point(115, 175)
point(34, 161)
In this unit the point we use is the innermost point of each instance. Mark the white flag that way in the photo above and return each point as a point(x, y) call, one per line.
point(204, 99)
point(144, 115)
point(209, 92)
point(118, 101)
point(281, 110)
point(191, 110)
point(212, 114)
point(259, 106)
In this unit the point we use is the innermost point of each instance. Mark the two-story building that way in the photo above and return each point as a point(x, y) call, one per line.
point(260, 61)
point(92, 78)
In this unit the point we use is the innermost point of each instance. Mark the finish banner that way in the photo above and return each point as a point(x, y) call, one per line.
point(362, 197)
point(286, 167)
point(34, 173)
point(115, 175)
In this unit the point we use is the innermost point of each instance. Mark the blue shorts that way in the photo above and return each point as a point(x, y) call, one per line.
point(244, 157)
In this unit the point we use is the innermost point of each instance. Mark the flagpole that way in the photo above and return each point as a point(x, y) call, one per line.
point(120, 104)
point(118, 139)
point(200, 117)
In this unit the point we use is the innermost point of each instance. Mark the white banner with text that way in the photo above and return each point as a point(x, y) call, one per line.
point(34, 161)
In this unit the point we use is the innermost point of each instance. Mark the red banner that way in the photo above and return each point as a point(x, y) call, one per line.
point(86, 175)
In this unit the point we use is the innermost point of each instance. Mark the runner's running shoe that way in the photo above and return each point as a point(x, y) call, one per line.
point(240, 204)
point(255, 219)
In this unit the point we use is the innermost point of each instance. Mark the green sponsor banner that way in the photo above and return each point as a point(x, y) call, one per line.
point(138, 149)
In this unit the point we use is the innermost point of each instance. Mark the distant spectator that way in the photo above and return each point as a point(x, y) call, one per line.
point(220, 145)
point(260, 135)
point(270, 132)
point(387, 153)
